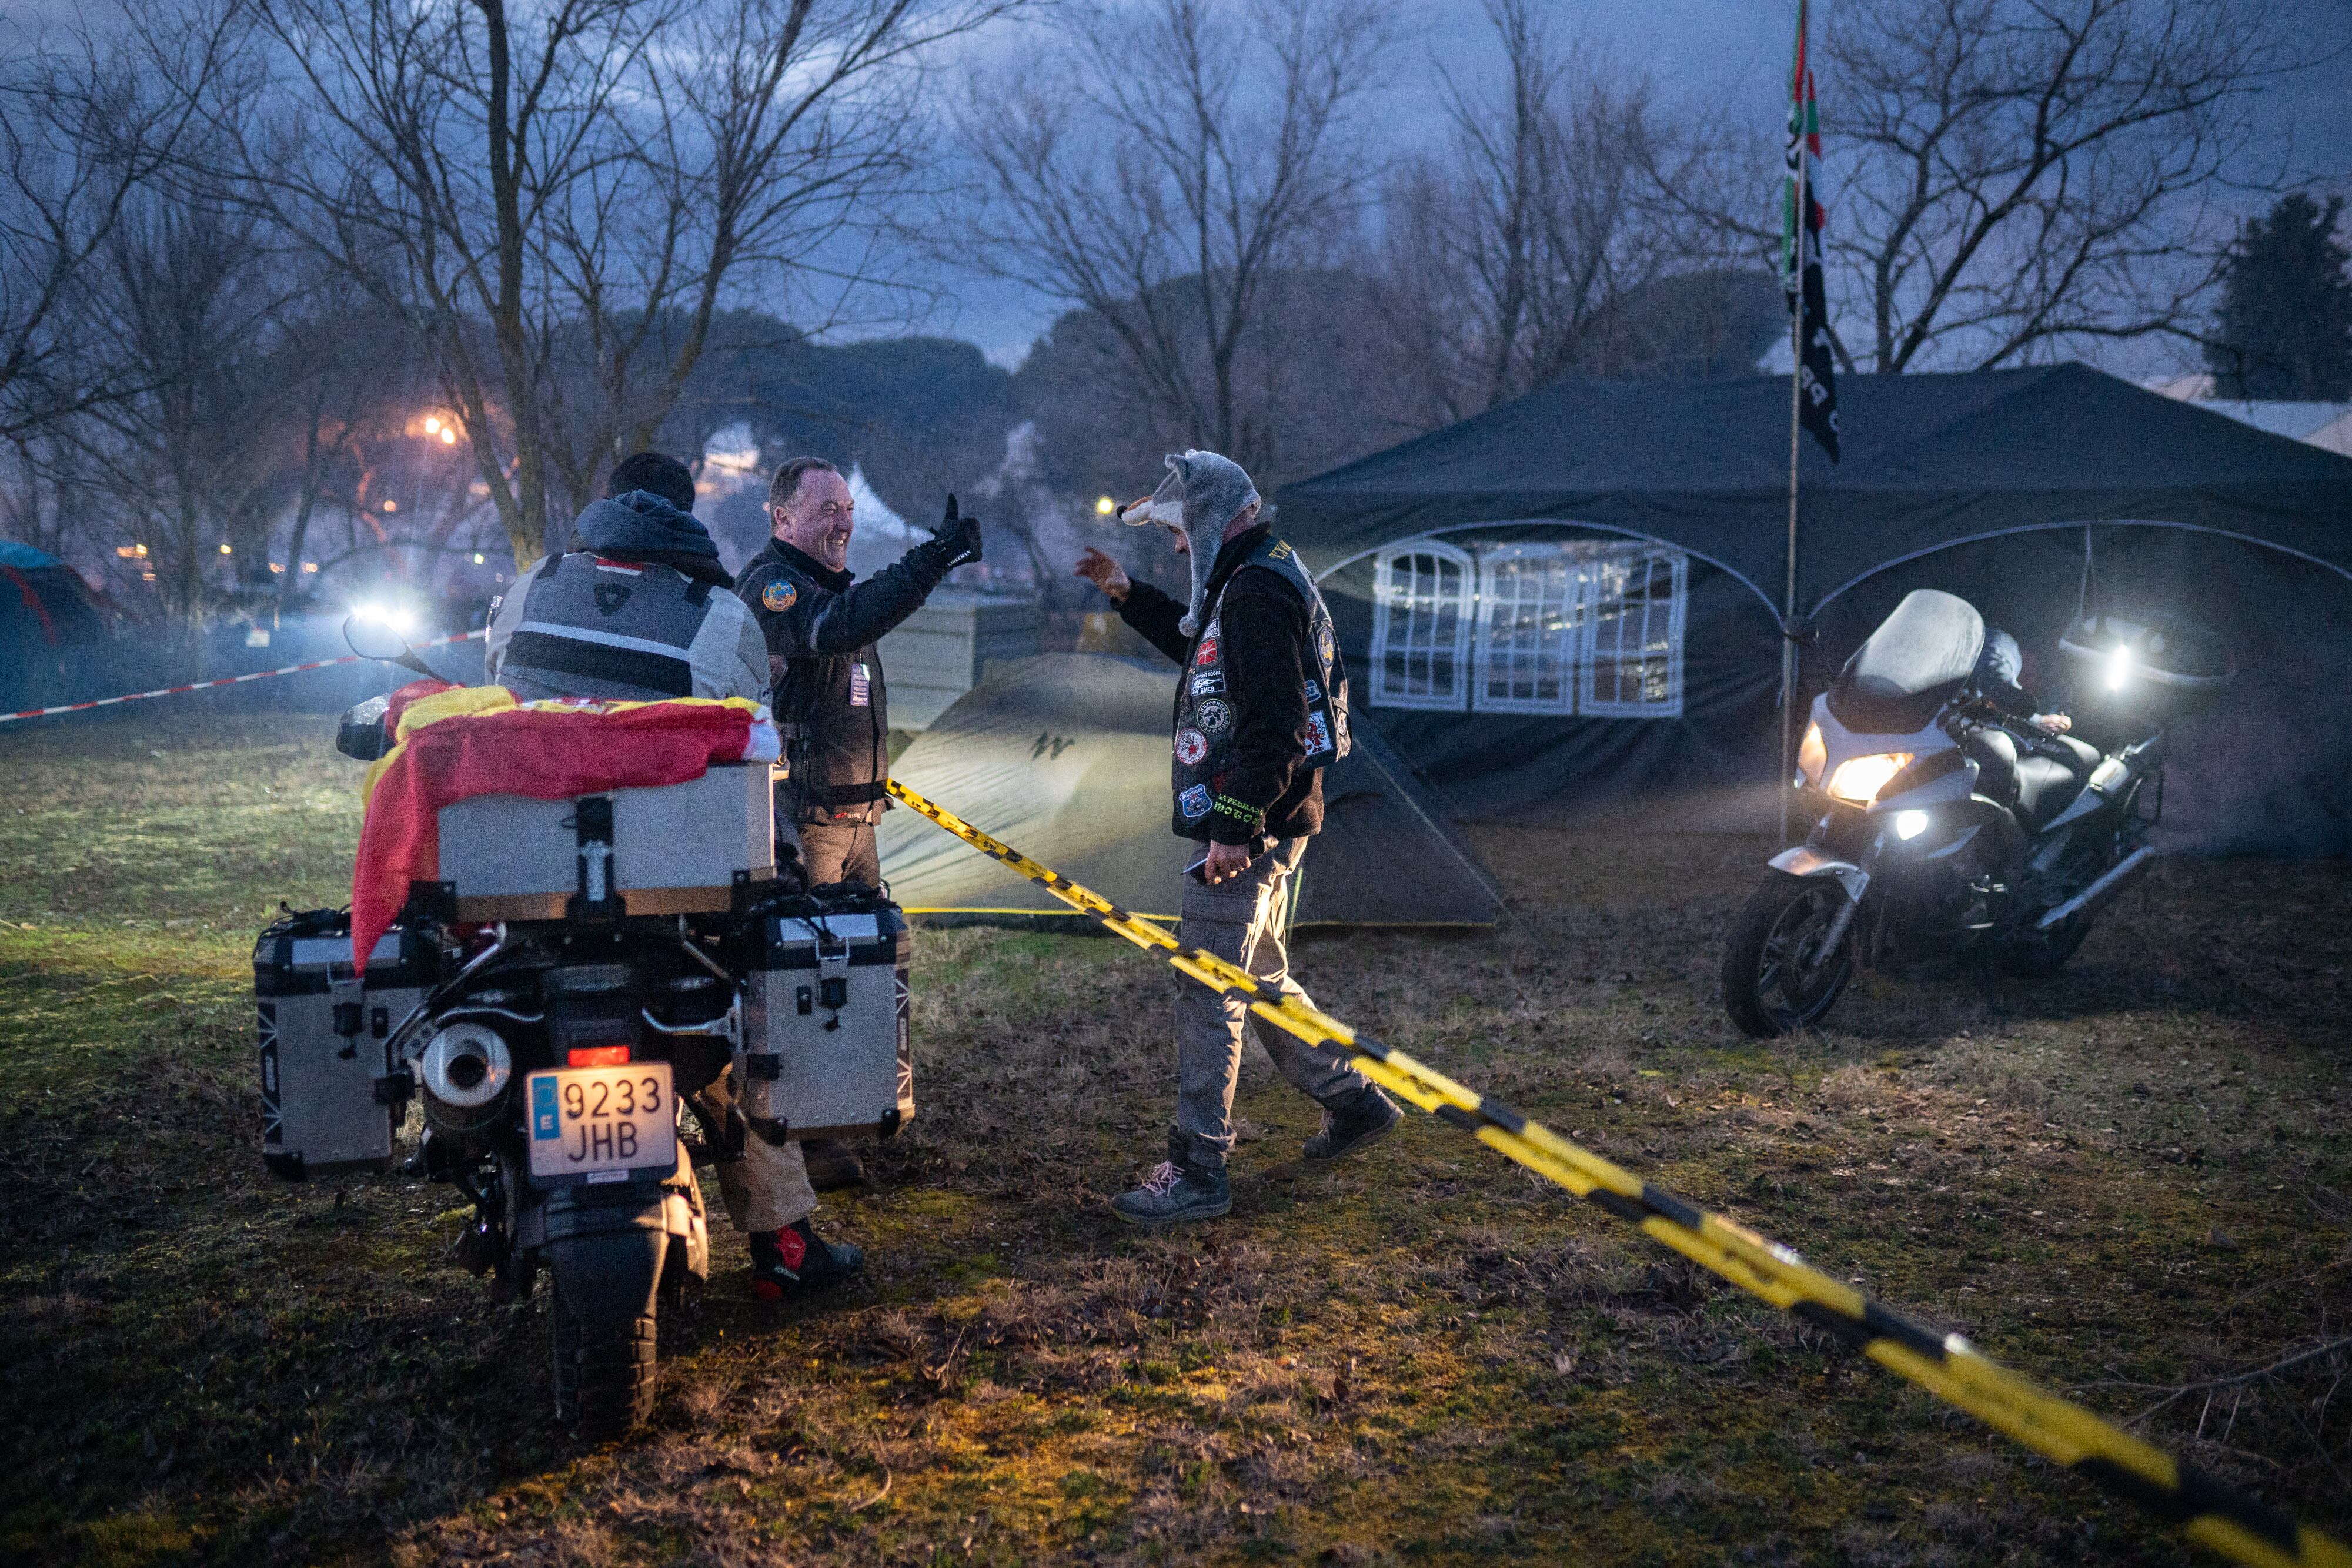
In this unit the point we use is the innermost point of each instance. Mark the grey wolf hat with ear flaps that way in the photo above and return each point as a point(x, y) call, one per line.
point(1202, 494)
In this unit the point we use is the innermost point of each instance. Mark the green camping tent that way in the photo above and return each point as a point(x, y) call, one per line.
point(1065, 757)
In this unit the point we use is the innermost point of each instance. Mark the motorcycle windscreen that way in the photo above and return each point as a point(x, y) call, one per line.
point(1916, 661)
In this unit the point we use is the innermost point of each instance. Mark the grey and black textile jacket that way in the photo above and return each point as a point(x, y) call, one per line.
point(582, 624)
point(831, 700)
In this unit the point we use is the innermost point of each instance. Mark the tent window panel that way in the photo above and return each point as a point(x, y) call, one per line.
point(1420, 627)
point(1635, 664)
point(1530, 603)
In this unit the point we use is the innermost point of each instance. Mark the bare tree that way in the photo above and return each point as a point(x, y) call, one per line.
point(558, 199)
point(83, 128)
point(1160, 166)
point(1538, 246)
point(186, 462)
point(2008, 178)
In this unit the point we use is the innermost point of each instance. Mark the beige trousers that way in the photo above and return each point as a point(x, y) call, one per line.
point(768, 1188)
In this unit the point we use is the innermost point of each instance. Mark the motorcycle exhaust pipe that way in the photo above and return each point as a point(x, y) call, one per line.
point(2120, 879)
point(467, 1071)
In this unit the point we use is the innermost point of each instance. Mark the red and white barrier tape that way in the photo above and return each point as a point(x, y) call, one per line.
point(223, 681)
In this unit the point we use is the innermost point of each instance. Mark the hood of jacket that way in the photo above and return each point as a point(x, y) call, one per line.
point(640, 525)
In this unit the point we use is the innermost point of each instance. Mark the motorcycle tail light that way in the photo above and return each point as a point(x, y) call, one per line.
point(597, 1056)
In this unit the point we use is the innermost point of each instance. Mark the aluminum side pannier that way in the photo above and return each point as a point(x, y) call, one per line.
point(825, 1051)
point(326, 1102)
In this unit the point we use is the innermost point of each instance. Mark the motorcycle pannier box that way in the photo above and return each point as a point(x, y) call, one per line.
point(324, 1033)
point(682, 849)
point(825, 1045)
point(2145, 665)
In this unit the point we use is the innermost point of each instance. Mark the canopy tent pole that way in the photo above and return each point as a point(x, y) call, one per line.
point(1796, 259)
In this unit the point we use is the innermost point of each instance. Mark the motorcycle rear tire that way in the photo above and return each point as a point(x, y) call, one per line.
point(603, 1377)
point(1747, 953)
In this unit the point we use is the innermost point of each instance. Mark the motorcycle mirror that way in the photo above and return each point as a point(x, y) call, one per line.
point(371, 637)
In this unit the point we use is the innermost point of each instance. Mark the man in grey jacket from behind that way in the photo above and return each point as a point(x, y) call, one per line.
point(638, 610)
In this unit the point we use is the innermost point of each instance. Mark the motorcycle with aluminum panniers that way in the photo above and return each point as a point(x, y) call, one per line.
point(1951, 832)
point(552, 1007)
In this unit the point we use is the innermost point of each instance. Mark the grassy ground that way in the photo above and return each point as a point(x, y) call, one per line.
point(2135, 1177)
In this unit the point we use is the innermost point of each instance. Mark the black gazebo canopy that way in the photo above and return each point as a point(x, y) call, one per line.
point(1930, 461)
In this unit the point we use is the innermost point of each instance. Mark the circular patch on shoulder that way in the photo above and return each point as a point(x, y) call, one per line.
point(1324, 644)
point(1190, 747)
point(779, 595)
point(1213, 715)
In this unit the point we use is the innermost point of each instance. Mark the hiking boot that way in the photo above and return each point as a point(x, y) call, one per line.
point(1364, 1117)
point(796, 1259)
point(1184, 1186)
point(832, 1164)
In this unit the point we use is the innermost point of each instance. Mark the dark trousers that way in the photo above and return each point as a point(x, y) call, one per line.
point(840, 852)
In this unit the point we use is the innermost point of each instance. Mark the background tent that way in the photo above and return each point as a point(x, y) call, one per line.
point(52, 638)
point(1065, 757)
point(1568, 607)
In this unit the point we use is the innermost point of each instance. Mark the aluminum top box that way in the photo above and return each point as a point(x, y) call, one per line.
point(682, 849)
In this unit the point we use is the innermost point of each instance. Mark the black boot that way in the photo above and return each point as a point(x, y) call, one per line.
point(1350, 1123)
point(1189, 1185)
point(796, 1259)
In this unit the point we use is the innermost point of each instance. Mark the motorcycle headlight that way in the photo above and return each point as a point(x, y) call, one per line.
point(1812, 756)
point(1909, 825)
point(1860, 778)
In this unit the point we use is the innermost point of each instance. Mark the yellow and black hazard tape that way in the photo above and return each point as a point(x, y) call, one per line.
point(1947, 1365)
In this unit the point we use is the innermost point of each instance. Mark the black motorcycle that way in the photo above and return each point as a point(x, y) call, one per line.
point(554, 1007)
point(1949, 831)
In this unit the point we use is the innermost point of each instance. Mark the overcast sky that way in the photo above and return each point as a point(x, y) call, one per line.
point(1715, 51)
point(1729, 51)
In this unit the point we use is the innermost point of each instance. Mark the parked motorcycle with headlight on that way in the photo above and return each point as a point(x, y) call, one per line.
point(554, 1004)
point(1947, 830)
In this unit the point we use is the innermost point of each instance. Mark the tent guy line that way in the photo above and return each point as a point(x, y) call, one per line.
point(223, 681)
point(2207, 1509)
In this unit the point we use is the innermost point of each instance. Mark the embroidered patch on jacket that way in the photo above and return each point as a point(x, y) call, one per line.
point(778, 597)
point(1323, 645)
point(1194, 802)
point(1208, 682)
point(1314, 692)
point(1213, 715)
point(610, 597)
point(1207, 651)
point(1319, 734)
point(1190, 747)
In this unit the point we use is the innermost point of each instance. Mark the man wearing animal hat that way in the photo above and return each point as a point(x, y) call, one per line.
point(1261, 710)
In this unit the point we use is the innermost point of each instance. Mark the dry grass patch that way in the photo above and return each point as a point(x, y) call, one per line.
point(2135, 1174)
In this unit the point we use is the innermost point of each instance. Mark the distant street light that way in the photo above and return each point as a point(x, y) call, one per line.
point(390, 507)
point(225, 550)
point(1105, 506)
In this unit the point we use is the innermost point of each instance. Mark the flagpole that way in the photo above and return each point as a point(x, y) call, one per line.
point(1796, 415)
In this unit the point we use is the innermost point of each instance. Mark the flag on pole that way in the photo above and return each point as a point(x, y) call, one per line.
point(1801, 255)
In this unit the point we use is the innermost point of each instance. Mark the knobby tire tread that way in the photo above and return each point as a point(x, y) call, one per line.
point(604, 1381)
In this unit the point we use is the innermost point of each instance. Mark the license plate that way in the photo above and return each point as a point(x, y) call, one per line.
point(603, 1122)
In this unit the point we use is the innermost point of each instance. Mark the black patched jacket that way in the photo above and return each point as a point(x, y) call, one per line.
point(830, 698)
point(1261, 702)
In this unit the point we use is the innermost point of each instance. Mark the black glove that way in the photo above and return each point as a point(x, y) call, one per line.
point(955, 541)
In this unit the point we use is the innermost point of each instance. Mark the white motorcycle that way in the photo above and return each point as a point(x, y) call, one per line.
point(1946, 829)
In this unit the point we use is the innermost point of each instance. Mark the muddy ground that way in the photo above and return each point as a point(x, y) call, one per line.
point(2131, 1181)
